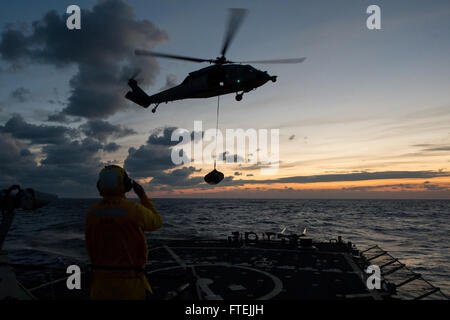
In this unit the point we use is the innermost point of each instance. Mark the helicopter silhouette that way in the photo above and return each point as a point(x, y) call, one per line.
point(223, 77)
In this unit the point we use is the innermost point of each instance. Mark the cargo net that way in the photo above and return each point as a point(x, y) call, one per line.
point(407, 283)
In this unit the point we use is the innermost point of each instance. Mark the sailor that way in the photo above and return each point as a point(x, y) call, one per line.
point(115, 238)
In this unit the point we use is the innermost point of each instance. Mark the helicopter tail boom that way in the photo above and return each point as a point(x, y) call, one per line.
point(137, 95)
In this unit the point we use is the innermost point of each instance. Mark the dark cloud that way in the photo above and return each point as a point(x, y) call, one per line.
point(178, 177)
point(153, 157)
point(171, 81)
point(60, 117)
point(14, 45)
point(259, 166)
point(422, 145)
point(400, 186)
point(360, 176)
point(364, 176)
point(435, 187)
point(17, 159)
point(232, 158)
point(111, 147)
point(154, 160)
point(37, 134)
point(75, 152)
point(21, 94)
point(162, 137)
point(432, 147)
point(102, 130)
point(66, 166)
point(69, 169)
point(102, 50)
point(441, 148)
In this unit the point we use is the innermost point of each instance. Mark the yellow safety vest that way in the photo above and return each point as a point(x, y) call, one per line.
point(117, 246)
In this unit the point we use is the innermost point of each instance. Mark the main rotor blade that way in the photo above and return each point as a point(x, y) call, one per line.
point(295, 60)
point(170, 56)
point(235, 20)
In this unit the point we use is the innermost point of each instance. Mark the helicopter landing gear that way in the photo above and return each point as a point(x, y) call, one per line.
point(239, 96)
point(154, 109)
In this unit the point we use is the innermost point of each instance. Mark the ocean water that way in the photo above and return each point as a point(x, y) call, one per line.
point(415, 231)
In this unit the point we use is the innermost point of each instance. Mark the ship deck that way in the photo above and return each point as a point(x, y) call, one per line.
point(245, 268)
point(242, 270)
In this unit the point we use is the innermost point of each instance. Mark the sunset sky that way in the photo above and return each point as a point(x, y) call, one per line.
point(367, 115)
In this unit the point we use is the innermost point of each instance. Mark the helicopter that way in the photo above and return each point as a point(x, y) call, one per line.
point(223, 77)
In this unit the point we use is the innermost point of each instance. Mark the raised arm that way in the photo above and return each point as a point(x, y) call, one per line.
point(149, 215)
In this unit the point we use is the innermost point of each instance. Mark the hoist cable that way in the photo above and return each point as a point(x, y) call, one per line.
point(217, 128)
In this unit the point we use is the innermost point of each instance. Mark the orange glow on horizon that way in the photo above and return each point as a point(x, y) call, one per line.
point(386, 185)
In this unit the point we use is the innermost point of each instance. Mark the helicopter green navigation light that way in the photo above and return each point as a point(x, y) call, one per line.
point(238, 81)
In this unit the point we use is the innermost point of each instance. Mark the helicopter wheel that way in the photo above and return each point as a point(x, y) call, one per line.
point(239, 96)
point(154, 109)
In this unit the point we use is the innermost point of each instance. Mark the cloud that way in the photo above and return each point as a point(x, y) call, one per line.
point(102, 130)
point(435, 187)
point(21, 94)
point(17, 159)
point(14, 45)
point(432, 147)
point(67, 170)
point(171, 81)
point(75, 152)
point(162, 137)
point(64, 165)
point(153, 157)
point(422, 145)
point(69, 166)
point(62, 118)
point(357, 176)
point(178, 177)
point(111, 147)
point(400, 186)
point(440, 148)
point(257, 166)
point(37, 134)
point(153, 160)
point(102, 51)
point(232, 158)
